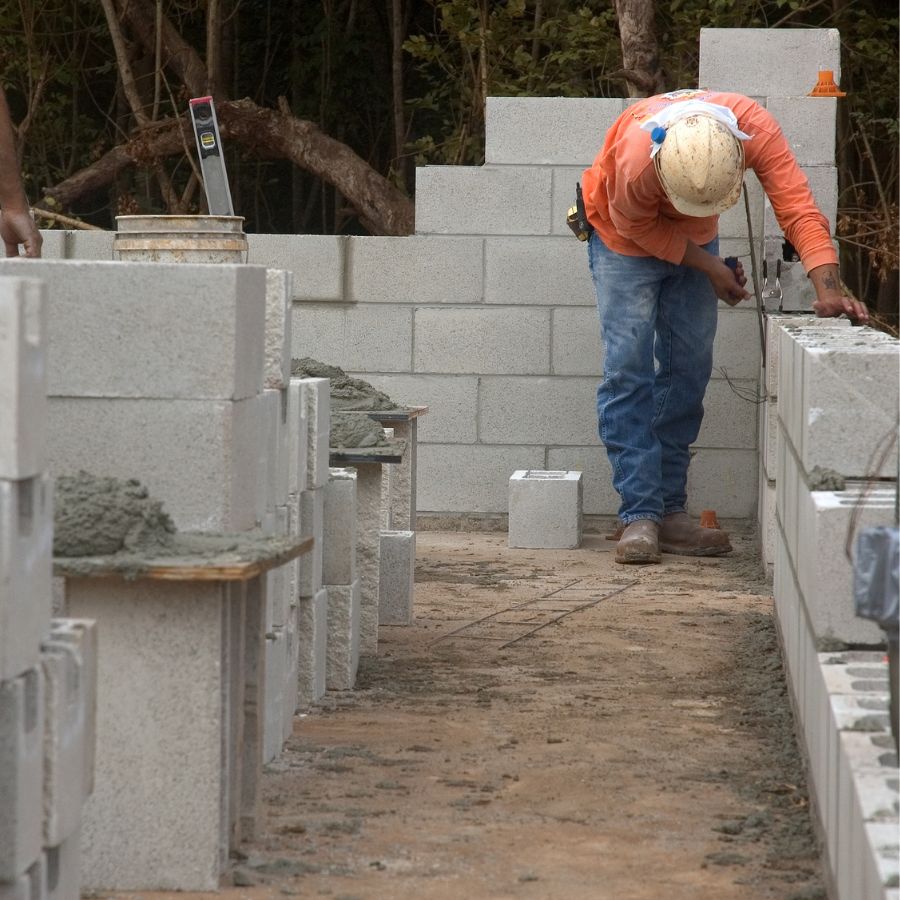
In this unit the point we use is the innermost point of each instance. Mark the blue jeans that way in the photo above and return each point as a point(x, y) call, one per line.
point(650, 412)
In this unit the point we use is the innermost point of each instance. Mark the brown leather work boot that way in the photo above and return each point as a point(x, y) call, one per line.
point(678, 534)
point(639, 543)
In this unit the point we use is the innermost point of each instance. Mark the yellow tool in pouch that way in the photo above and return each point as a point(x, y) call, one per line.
point(577, 219)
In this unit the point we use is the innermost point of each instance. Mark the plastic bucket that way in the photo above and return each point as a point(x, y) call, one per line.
point(180, 239)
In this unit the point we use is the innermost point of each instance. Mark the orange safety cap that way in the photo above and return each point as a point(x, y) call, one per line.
point(825, 86)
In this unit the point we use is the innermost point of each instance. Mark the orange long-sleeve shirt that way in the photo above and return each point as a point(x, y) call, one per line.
point(627, 205)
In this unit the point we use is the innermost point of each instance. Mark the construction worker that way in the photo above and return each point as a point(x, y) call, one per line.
point(669, 165)
point(16, 224)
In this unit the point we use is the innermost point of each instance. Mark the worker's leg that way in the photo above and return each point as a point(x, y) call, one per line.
point(686, 328)
point(628, 289)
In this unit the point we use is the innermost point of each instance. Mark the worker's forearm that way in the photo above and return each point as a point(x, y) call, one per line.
point(697, 258)
point(830, 297)
point(12, 194)
point(826, 280)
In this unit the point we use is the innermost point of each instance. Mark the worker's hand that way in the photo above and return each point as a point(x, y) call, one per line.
point(727, 283)
point(17, 227)
point(836, 304)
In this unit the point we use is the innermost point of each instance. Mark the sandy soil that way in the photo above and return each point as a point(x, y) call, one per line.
point(553, 726)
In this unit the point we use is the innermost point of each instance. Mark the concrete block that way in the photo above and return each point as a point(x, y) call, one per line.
point(866, 712)
point(547, 130)
point(768, 440)
point(482, 341)
point(823, 183)
point(153, 330)
point(741, 59)
point(599, 498)
point(21, 772)
point(537, 271)
point(276, 663)
point(278, 595)
point(63, 865)
point(291, 672)
point(808, 124)
point(855, 383)
point(277, 361)
point(23, 377)
point(881, 858)
point(159, 640)
point(470, 478)
point(562, 198)
point(163, 440)
point(396, 585)
point(270, 483)
point(89, 245)
point(297, 429)
point(316, 405)
point(26, 549)
point(733, 222)
point(65, 740)
point(858, 674)
point(451, 402)
point(545, 509)
point(768, 527)
point(54, 246)
point(339, 528)
point(315, 261)
point(576, 348)
point(81, 635)
point(723, 480)
point(342, 656)
point(729, 421)
point(312, 524)
point(825, 574)
point(877, 796)
point(312, 644)
point(556, 410)
point(416, 269)
point(32, 885)
point(736, 349)
point(368, 552)
point(476, 200)
point(370, 337)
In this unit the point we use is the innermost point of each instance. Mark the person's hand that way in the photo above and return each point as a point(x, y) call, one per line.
point(17, 227)
point(836, 304)
point(727, 283)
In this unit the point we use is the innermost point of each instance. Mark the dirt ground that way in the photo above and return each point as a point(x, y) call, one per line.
point(552, 726)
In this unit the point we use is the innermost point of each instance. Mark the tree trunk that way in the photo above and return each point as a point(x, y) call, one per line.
point(640, 55)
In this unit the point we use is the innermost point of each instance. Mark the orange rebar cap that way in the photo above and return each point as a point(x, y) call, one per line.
point(825, 86)
point(708, 519)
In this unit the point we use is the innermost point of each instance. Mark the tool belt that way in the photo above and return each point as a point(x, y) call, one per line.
point(577, 219)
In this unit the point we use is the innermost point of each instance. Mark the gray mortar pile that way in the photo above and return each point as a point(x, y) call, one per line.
point(100, 516)
point(349, 397)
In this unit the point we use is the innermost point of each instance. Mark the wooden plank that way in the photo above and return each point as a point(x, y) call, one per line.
point(216, 568)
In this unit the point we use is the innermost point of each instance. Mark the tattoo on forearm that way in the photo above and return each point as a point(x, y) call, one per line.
point(830, 281)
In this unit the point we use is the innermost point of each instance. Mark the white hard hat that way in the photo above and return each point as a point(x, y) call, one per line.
point(700, 165)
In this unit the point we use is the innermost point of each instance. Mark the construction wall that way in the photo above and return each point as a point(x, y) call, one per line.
point(487, 315)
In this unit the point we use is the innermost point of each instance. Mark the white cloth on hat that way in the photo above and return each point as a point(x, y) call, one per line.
point(675, 111)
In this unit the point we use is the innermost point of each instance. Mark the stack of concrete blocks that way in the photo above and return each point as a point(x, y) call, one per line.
point(284, 464)
point(855, 771)
point(315, 402)
point(837, 400)
point(156, 372)
point(545, 510)
point(397, 544)
point(47, 667)
point(341, 577)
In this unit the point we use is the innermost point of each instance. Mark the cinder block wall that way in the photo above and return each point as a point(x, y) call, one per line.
point(487, 314)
